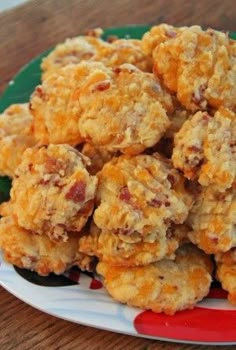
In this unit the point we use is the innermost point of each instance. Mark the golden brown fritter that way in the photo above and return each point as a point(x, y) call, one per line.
point(199, 66)
point(109, 248)
point(165, 286)
point(38, 253)
point(143, 195)
point(16, 134)
point(213, 220)
point(52, 191)
point(205, 148)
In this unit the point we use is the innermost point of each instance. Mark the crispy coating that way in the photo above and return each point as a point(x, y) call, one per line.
point(84, 48)
point(226, 272)
point(213, 219)
point(52, 191)
point(124, 51)
point(118, 109)
point(98, 157)
point(159, 34)
point(72, 51)
point(55, 107)
point(124, 109)
point(143, 195)
point(15, 136)
point(200, 66)
point(17, 120)
point(38, 253)
point(165, 286)
point(205, 148)
point(109, 248)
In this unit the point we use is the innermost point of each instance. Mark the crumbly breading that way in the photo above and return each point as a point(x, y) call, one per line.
point(165, 286)
point(109, 248)
point(226, 272)
point(143, 195)
point(52, 191)
point(205, 148)
point(124, 51)
point(17, 120)
point(72, 51)
point(88, 48)
point(15, 136)
point(124, 109)
point(28, 250)
point(98, 157)
point(200, 66)
point(213, 219)
point(56, 109)
point(118, 109)
point(159, 34)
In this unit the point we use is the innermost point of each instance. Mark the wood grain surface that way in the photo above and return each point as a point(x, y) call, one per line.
point(25, 32)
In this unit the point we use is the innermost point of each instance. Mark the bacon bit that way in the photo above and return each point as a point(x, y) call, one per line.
point(39, 92)
point(77, 192)
point(194, 149)
point(30, 167)
point(31, 107)
point(43, 182)
point(112, 38)
point(220, 196)
point(125, 195)
point(171, 33)
point(156, 203)
point(172, 180)
point(117, 70)
point(103, 85)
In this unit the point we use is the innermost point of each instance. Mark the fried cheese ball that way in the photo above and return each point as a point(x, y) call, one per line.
point(226, 273)
point(109, 248)
point(205, 148)
point(124, 109)
point(52, 192)
point(117, 109)
point(144, 195)
point(84, 48)
point(200, 66)
point(213, 220)
point(15, 136)
point(38, 253)
point(165, 286)
point(98, 157)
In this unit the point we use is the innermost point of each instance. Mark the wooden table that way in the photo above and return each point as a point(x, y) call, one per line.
point(25, 32)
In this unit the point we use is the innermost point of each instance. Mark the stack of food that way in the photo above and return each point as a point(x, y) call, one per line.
point(125, 158)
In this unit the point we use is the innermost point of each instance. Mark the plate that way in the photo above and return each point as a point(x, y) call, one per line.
point(80, 297)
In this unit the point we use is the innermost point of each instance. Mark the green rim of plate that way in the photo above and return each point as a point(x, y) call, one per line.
point(22, 85)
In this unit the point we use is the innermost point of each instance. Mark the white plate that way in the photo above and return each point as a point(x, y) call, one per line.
point(87, 302)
